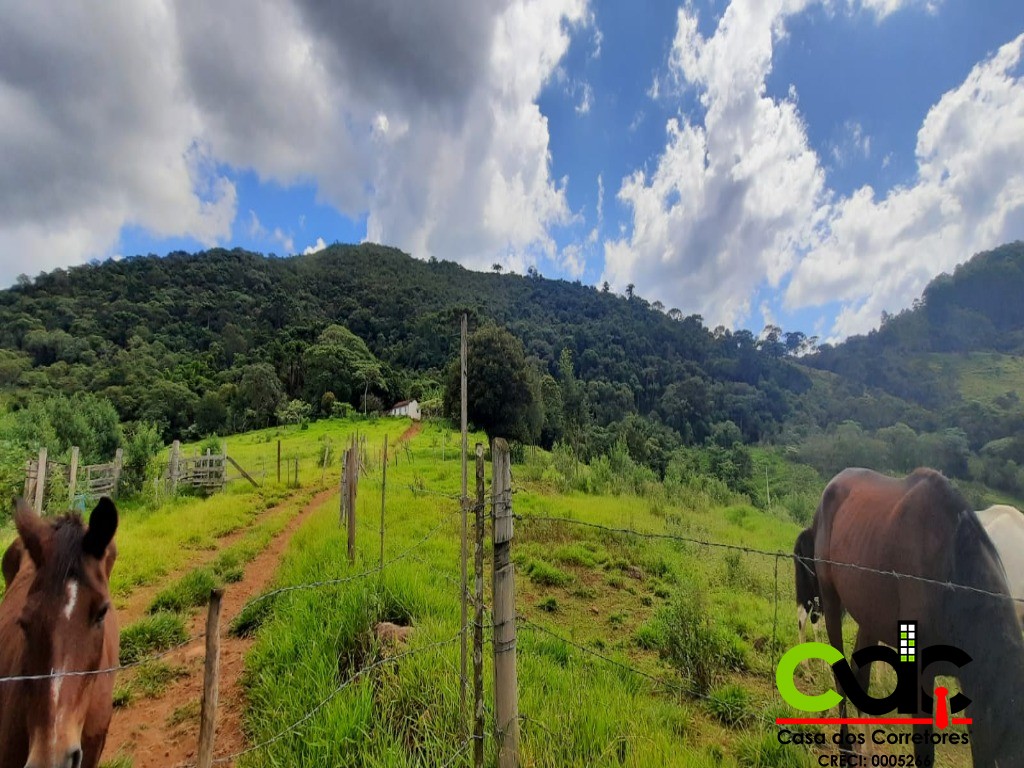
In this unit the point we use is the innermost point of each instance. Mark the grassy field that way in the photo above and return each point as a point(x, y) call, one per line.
point(631, 651)
point(982, 376)
point(703, 623)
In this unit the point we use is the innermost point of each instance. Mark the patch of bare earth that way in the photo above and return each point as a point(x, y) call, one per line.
point(164, 731)
point(411, 432)
point(133, 607)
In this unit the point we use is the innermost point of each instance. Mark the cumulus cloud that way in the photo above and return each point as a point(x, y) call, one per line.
point(423, 119)
point(879, 252)
point(731, 201)
point(90, 140)
point(738, 199)
point(319, 245)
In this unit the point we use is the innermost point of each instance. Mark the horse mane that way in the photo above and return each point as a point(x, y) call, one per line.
point(987, 628)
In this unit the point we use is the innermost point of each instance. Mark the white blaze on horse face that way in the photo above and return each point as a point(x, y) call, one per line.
point(72, 591)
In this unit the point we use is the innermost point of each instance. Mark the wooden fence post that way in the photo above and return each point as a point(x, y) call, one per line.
point(278, 461)
point(506, 687)
point(41, 481)
point(343, 489)
point(383, 495)
point(478, 625)
point(211, 681)
point(175, 465)
point(73, 474)
point(352, 477)
point(464, 503)
point(118, 463)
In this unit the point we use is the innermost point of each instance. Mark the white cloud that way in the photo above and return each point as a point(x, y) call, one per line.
point(879, 254)
point(586, 99)
point(731, 202)
point(423, 119)
point(739, 200)
point(318, 246)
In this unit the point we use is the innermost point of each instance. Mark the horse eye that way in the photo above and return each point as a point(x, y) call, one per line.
point(101, 613)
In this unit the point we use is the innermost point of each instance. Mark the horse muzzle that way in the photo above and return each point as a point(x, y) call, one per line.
point(72, 759)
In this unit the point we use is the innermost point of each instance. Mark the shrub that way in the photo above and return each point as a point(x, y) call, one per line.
point(731, 704)
point(693, 644)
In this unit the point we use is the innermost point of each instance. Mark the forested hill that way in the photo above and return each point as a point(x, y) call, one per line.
point(188, 341)
point(978, 308)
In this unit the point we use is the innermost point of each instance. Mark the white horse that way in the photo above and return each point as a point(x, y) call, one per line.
point(1005, 526)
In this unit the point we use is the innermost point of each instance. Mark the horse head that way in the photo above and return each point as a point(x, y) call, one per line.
point(807, 593)
point(63, 620)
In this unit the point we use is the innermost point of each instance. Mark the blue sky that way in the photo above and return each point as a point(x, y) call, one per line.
point(804, 163)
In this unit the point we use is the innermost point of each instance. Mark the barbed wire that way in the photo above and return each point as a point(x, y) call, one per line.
point(106, 670)
point(327, 699)
point(769, 553)
point(451, 761)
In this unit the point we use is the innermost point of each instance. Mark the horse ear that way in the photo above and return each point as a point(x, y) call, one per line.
point(31, 529)
point(102, 527)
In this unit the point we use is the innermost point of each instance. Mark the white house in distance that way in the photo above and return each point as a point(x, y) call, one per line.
point(410, 408)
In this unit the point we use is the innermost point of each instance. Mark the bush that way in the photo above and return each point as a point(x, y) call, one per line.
point(142, 445)
point(693, 644)
point(731, 704)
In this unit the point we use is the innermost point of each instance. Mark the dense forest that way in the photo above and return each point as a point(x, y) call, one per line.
point(209, 343)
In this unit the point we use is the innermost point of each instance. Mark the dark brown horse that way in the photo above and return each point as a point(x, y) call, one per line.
point(921, 526)
point(56, 618)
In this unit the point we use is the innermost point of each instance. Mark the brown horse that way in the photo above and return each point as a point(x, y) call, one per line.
point(921, 526)
point(56, 618)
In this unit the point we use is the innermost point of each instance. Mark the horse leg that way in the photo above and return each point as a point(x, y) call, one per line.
point(863, 676)
point(924, 751)
point(832, 610)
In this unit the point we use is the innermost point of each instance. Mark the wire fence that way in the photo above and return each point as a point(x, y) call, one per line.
point(412, 553)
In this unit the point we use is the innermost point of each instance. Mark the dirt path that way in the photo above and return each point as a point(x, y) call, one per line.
point(411, 432)
point(134, 606)
point(164, 731)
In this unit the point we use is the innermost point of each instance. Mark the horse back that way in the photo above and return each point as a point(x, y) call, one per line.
point(884, 525)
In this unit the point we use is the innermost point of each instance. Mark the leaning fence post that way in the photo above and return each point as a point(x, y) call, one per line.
point(506, 704)
point(352, 477)
point(478, 626)
point(383, 495)
point(73, 474)
point(211, 680)
point(41, 481)
point(175, 467)
point(279, 461)
point(118, 463)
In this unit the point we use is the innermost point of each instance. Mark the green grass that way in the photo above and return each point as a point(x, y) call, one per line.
point(577, 709)
point(151, 635)
point(146, 682)
point(982, 376)
point(190, 591)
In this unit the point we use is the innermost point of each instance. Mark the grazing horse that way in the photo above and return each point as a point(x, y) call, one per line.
point(1005, 526)
point(56, 617)
point(920, 526)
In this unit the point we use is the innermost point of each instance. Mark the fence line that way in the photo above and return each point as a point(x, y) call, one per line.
point(767, 553)
point(108, 670)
